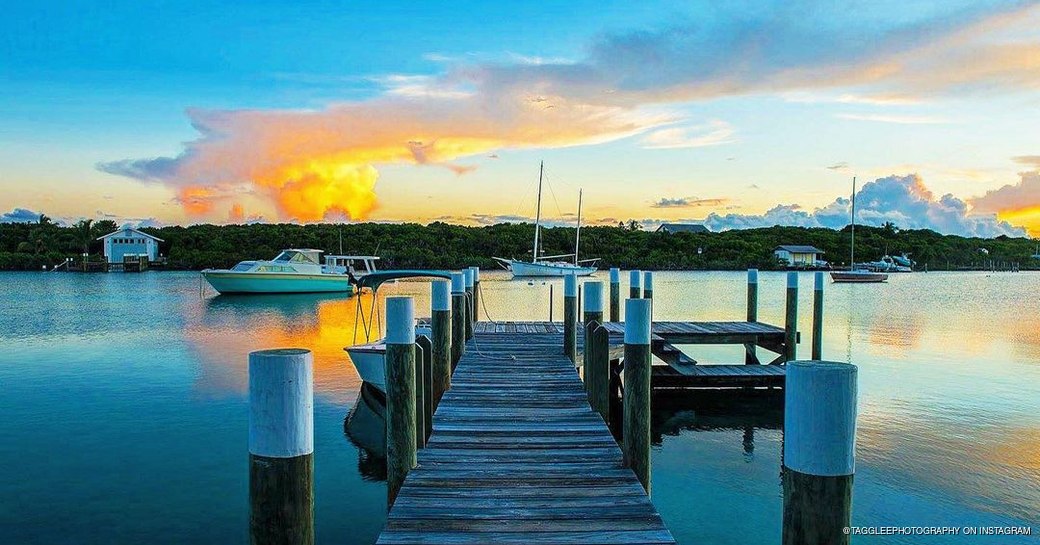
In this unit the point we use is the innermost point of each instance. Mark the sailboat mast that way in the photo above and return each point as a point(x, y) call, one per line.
point(577, 233)
point(538, 212)
point(852, 248)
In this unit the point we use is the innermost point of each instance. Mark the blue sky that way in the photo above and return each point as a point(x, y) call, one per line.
point(314, 111)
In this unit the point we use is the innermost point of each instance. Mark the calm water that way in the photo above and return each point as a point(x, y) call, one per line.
point(123, 403)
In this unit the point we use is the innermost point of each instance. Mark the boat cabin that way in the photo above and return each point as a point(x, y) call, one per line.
point(288, 261)
point(130, 243)
point(356, 265)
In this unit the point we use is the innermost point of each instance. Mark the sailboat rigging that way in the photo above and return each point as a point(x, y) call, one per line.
point(541, 265)
point(853, 274)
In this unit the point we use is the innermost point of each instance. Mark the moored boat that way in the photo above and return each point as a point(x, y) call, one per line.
point(854, 275)
point(292, 271)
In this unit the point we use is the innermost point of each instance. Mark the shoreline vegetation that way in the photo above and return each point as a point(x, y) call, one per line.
point(34, 245)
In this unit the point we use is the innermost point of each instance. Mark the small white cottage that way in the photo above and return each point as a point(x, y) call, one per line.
point(130, 242)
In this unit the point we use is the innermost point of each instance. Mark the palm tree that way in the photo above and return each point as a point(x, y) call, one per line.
point(84, 234)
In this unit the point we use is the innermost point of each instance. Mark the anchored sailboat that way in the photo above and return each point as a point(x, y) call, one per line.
point(550, 265)
point(853, 274)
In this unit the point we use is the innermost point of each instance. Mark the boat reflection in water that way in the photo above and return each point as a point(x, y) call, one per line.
point(365, 427)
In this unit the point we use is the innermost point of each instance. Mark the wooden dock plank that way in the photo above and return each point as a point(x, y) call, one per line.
point(518, 456)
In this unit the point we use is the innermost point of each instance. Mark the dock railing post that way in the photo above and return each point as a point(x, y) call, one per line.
point(817, 317)
point(570, 317)
point(476, 293)
point(281, 446)
point(791, 318)
point(750, 349)
point(615, 294)
point(634, 284)
point(440, 328)
point(819, 451)
point(592, 316)
point(636, 426)
point(426, 345)
point(458, 318)
point(401, 409)
point(468, 277)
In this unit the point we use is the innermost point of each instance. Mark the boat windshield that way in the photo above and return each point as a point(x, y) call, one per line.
point(244, 266)
point(292, 256)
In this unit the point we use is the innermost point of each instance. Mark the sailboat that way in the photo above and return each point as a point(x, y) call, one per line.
point(854, 275)
point(550, 265)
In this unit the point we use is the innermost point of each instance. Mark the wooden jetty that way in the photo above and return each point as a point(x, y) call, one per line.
point(518, 456)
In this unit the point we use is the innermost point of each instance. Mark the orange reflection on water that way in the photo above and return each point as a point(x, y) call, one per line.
point(229, 327)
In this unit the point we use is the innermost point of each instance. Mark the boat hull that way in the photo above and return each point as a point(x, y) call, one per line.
point(858, 277)
point(370, 363)
point(259, 282)
point(524, 269)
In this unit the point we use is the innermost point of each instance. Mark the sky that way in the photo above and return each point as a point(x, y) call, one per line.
point(735, 114)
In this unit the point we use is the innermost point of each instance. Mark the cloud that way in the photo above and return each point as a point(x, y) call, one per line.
point(324, 163)
point(20, 215)
point(686, 202)
point(898, 119)
point(902, 200)
point(713, 133)
point(1016, 203)
point(1032, 161)
point(838, 166)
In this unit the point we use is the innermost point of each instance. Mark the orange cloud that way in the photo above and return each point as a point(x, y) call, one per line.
point(196, 200)
point(1018, 204)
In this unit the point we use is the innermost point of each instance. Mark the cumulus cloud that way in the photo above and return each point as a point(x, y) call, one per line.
point(895, 118)
point(19, 215)
point(324, 163)
point(1032, 161)
point(902, 200)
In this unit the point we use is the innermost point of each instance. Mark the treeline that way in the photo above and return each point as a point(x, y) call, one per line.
point(30, 246)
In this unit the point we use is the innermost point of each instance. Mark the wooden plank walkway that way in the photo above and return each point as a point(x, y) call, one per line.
point(518, 456)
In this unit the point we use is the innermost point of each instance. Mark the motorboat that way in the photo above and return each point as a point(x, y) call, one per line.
point(292, 271)
point(369, 357)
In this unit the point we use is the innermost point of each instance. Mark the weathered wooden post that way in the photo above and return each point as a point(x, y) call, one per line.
point(819, 451)
point(791, 318)
point(592, 316)
point(281, 446)
point(467, 275)
point(420, 402)
point(598, 369)
point(750, 356)
point(570, 317)
point(476, 293)
point(458, 318)
point(648, 285)
point(817, 318)
point(440, 328)
point(550, 302)
point(401, 410)
point(425, 344)
point(634, 282)
point(615, 294)
point(636, 442)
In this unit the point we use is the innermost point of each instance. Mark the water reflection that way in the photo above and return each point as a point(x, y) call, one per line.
point(365, 428)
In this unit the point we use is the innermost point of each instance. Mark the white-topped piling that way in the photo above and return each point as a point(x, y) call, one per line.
point(819, 451)
point(570, 317)
point(592, 318)
point(791, 318)
point(817, 323)
point(636, 417)
point(440, 329)
point(401, 410)
point(615, 294)
point(750, 349)
point(467, 275)
point(648, 285)
point(281, 446)
point(635, 282)
point(458, 318)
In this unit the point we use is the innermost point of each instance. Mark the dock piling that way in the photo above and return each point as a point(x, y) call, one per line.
point(750, 355)
point(591, 318)
point(401, 409)
point(458, 318)
point(636, 426)
point(440, 328)
point(551, 303)
point(648, 285)
point(570, 317)
point(420, 401)
point(817, 317)
point(791, 318)
point(467, 275)
point(425, 344)
point(476, 293)
point(281, 446)
point(634, 284)
point(819, 451)
point(615, 294)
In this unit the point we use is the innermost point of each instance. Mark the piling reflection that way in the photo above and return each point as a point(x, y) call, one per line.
point(365, 428)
